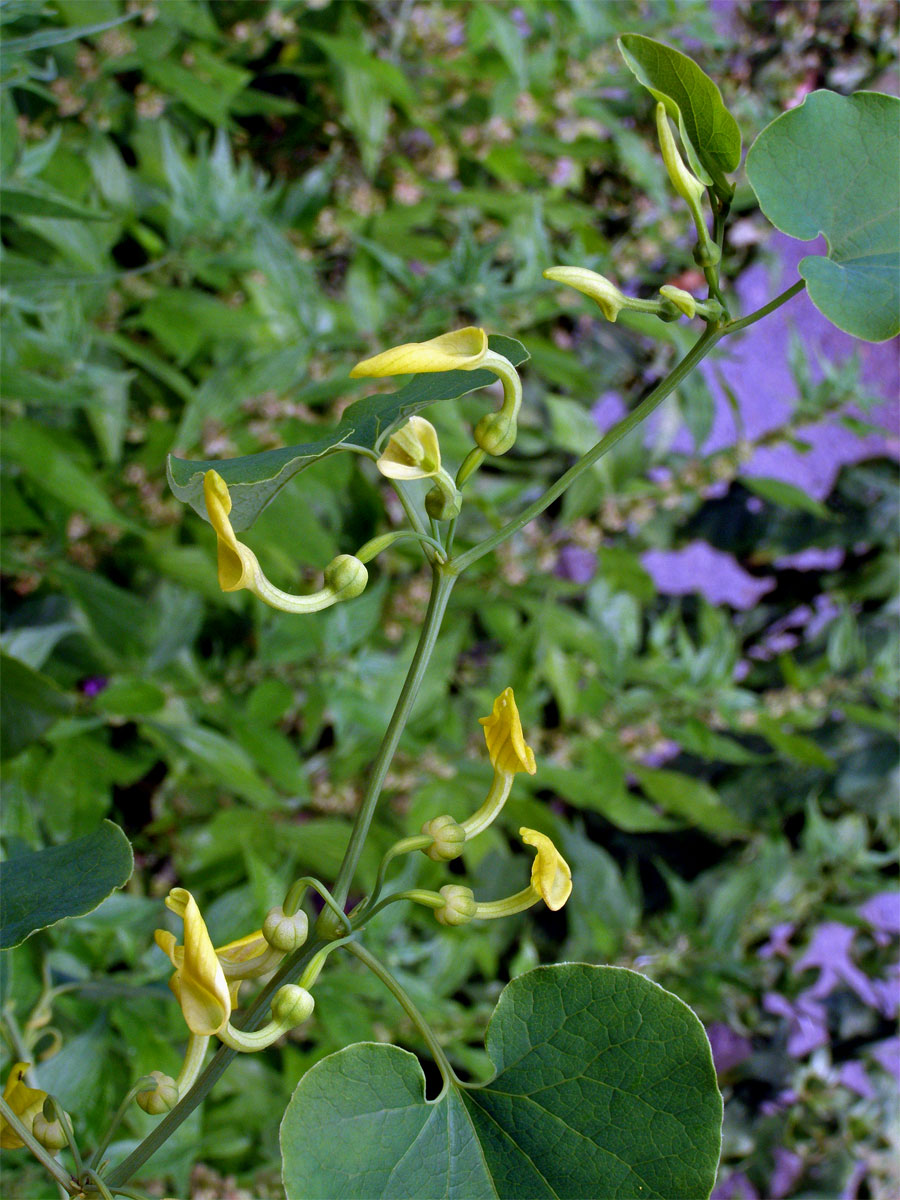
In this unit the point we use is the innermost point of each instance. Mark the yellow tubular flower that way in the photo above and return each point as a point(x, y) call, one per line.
point(598, 287)
point(551, 876)
point(461, 350)
point(412, 452)
point(505, 739)
point(682, 300)
point(345, 577)
point(26, 1103)
point(199, 982)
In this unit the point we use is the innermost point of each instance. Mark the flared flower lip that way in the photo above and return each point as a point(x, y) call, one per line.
point(199, 982)
point(460, 350)
point(238, 566)
point(505, 740)
point(551, 875)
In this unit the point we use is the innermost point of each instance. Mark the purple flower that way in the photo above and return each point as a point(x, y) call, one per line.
point(788, 1169)
point(576, 564)
point(829, 950)
point(853, 1077)
point(608, 411)
point(734, 1187)
point(888, 992)
point(729, 1049)
point(808, 1028)
point(93, 685)
point(784, 1100)
point(887, 1055)
point(882, 912)
point(813, 558)
point(857, 1175)
point(779, 942)
point(697, 567)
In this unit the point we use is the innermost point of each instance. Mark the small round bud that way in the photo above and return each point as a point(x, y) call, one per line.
point(346, 575)
point(163, 1098)
point(459, 905)
point(286, 934)
point(329, 925)
point(49, 1133)
point(292, 1005)
point(496, 433)
point(449, 838)
point(441, 506)
point(706, 254)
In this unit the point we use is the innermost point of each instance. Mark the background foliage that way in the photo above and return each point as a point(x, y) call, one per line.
point(209, 212)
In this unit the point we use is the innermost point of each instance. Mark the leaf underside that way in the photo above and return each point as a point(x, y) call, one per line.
point(605, 1087)
point(832, 167)
point(254, 480)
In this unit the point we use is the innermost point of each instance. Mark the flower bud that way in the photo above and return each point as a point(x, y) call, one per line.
point(283, 933)
point(163, 1098)
point(495, 433)
point(292, 1005)
point(346, 575)
point(706, 253)
point(329, 925)
point(449, 838)
point(680, 298)
point(49, 1133)
point(443, 505)
point(459, 905)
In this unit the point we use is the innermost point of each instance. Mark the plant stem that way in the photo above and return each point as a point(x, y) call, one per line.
point(441, 587)
point(43, 1156)
point(698, 351)
point(788, 294)
point(418, 895)
point(378, 968)
point(408, 845)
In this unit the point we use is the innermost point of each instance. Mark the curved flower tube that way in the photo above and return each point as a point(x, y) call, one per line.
point(461, 350)
point(239, 568)
point(26, 1102)
point(551, 881)
point(413, 452)
point(688, 187)
point(605, 293)
point(199, 983)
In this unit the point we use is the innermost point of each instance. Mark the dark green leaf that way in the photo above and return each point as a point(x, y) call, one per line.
point(254, 480)
point(29, 704)
point(689, 798)
point(45, 887)
point(709, 132)
point(604, 1087)
point(29, 201)
point(787, 495)
point(832, 167)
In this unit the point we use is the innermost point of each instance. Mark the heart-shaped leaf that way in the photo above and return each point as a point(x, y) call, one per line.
point(710, 134)
point(832, 167)
point(255, 479)
point(39, 889)
point(604, 1087)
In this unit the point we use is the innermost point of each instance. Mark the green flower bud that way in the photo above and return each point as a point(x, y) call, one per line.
point(496, 433)
point(449, 838)
point(680, 298)
point(706, 253)
point(49, 1133)
point(347, 576)
point(292, 1005)
point(443, 505)
point(286, 934)
point(459, 905)
point(163, 1098)
point(329, 925)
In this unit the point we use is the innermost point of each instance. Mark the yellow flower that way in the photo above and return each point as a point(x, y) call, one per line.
point(461, 350)
point(199, 982)
point(345, 576)
point(412, 452)
point(505, 739)
point(551, 877)
point(26, 1103)
point(598, 287)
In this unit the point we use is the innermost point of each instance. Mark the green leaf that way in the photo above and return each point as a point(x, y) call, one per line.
point(46, 38)
point(255, 479)
point(31, 201)
point(30, 703)
point(42, 888)
point(787, 495)
point(604, 1087)
point(710, 134)
point(689, 798)
point(832, 167)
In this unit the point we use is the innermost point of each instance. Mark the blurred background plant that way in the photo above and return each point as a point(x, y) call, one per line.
point(209, 211)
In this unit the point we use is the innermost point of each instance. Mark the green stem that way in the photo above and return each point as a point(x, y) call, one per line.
point(380, 970)
point(698, 351)
point(143, 1085)
point(788, 294)
point(43, 1156)
point(60, 1114)
point(419, 841)
point(294, 898)
point(442, 585)
point(417, 895)
point(98, 1184)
